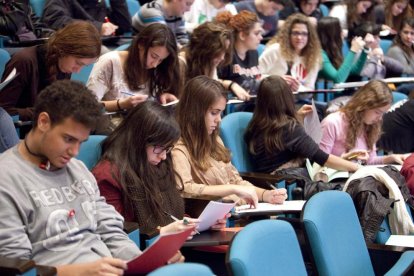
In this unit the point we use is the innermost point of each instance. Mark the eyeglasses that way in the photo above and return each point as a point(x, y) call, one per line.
point(160, 149)
point(304, 34)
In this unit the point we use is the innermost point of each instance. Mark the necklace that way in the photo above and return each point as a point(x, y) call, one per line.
point(44, 163)
point(31, 152)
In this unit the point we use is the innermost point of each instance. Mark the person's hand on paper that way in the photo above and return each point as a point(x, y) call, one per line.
point(130, 102)
point(395, 158)
point(167, 97)
point(277, 196)
point(221, 223)
point(240, 92)
point(358, 155)
point(248, 193)
point(292, 82)
point(181, 225)
point(108, 28)
point(103, 266)
point(177, 258)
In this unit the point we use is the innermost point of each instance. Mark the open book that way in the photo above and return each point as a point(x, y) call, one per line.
point(158, 253)
point(288, 205)
point(9, 78)
point(330, 173)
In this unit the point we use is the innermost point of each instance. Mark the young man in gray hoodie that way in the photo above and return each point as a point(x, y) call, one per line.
point(51, 210)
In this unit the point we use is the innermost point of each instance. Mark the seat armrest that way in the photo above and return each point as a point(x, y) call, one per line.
point(130, 226)
point(404, 266)
point(15, 266)
point(43, 270)
point(385, 257)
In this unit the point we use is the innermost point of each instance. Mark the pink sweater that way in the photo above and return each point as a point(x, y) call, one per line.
point(334, 128)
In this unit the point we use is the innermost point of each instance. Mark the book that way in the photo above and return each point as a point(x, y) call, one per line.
point(401, 240)
point(158, 253)
point(9, 78)
point(330, 173)
point(288, 205)
point(212, 212)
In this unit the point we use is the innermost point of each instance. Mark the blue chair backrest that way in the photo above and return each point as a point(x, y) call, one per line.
point(260, 49)
point(232, 129)
point(133, 6)
point(90, 151)
point(324, 9)
point(335, 235)
point(385, 44)
point(4, 58)
point(83, 75)
point(183, 269)
point(398, 96)
point(38, 7)
point(266, 247)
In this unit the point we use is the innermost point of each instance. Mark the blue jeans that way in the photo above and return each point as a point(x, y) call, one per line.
point(8, 134)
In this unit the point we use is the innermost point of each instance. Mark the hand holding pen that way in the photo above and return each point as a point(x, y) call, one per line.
point(275, 195)
point(180, 225)
point(132, 99)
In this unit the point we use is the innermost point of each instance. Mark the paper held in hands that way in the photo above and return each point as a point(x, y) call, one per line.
point(312, 125)
point(158, 253)
point(213, 212)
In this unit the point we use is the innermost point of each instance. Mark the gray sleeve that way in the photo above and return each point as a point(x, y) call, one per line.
point(396, 53)
point(14, 242)
point(110, 228)
point(393, 66)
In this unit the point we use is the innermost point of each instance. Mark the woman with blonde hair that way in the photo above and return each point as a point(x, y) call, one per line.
point(198, 58)
point(66, 52)
point(295, 51)
point(200, 158)
point(352, 132)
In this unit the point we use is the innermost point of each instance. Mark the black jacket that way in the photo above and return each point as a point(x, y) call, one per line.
point(58, 13)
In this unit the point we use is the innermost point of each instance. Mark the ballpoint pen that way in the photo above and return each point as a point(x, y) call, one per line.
point(185, 221)
point(127, 93)
point(271, 185)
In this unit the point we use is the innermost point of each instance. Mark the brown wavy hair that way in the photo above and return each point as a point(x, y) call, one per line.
point(162, 78)
point(275, 109)
point(200, 93)
point(79, 39)
point(311, 53)
point(242, 22)
point(207, 42)
point(395, 21)
point(372, 95)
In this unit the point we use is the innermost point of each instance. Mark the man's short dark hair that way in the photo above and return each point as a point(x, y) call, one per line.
point(68, 99)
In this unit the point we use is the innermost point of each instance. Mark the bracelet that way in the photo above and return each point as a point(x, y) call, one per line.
point(263, 194)
point(118, 105)
point(231, 84)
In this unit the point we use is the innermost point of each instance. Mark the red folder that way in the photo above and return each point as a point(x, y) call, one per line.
point(158, 253)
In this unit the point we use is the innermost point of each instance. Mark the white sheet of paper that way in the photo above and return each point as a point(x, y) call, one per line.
point(9, 78)
point(171, 103)
point(312, 125)
point(213, 212)
point(401, 240)
point(289, 205)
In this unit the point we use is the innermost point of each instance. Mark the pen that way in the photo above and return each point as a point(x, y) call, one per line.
point(185, 221)
point(127, 93)
point(271, 185)
point(353, 156)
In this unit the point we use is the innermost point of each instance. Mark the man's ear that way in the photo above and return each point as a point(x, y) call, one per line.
point(43, 122)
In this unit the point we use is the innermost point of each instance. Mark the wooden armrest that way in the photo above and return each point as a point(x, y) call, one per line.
point(25, 43)
point(15, 266)
point(43, 270)
point(130, 226)
point(261, 180)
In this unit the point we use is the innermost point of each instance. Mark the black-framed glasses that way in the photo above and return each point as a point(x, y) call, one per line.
point(160, 149)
